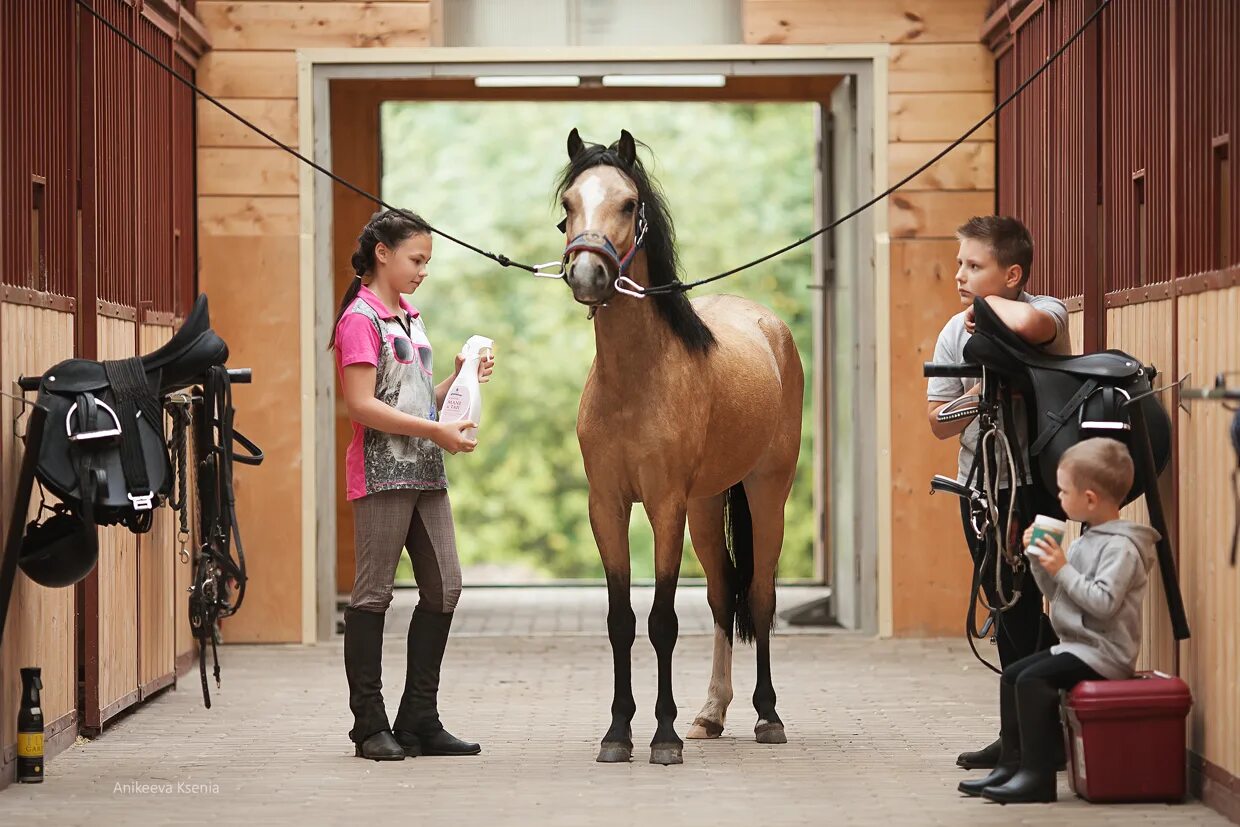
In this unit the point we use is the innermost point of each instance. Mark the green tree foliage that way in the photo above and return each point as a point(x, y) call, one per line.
point(740, 181)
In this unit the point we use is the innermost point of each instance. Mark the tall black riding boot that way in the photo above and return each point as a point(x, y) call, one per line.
point(1035, 782)
point(363, 666)
point(417, 728)
point(1009, 739)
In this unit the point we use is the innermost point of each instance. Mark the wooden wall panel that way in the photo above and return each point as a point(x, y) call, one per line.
point(940, 82)
point(249, 74)
point(246, 171)
point(157, 563)
point(1209, 342)
point(217, 128)
point(941, 67)
point(117, 572)
point(1076, 330)
point(278, 25)
point(970, 166)
point(939, 116)
point(41, 625)
point(923, 298)
point(1144, 330)
point(265, 338)
point(863, 21)
point(226, 215)
point(935, 214)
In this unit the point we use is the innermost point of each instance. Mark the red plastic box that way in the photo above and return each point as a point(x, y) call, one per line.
point(1126, 738)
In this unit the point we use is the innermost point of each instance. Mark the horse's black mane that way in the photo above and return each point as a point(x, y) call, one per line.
point(660, 242)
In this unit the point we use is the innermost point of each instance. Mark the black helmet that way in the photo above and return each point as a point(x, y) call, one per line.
point(60, 551)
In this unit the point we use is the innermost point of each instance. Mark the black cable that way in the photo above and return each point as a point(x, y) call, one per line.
point(676, 286)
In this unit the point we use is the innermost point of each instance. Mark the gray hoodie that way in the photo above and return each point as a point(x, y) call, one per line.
point(1096, 598)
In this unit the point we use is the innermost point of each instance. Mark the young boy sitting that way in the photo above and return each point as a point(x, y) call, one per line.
point(994, 262)
point(1096, 591)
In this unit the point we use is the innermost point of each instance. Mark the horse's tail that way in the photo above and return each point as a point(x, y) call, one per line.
point(738, 531)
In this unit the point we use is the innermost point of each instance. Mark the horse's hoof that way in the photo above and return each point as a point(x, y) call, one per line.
point(769, 732)
point(666, 754)
point(703, 728)
point(613, 753)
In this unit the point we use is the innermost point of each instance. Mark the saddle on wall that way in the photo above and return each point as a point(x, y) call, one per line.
point(103, 454)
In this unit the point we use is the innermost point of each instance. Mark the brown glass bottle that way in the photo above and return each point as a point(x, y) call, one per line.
point(30, 729)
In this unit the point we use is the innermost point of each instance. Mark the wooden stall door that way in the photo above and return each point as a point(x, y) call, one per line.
point(40, 629)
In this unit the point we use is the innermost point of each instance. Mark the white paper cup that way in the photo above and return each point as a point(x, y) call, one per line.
point(1044, 526)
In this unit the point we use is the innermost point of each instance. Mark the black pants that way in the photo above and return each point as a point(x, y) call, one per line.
point(1024, 628)
point(1061, 672)
point(1029, 710)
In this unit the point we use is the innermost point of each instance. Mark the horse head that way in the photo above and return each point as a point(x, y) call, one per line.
point(605, 211)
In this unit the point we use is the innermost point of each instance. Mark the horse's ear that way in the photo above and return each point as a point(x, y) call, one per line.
point(626, 147)
point(575, 145)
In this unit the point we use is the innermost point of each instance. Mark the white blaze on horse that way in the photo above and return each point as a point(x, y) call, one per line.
point(692, 409)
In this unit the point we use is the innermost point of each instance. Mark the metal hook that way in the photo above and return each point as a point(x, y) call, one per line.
point(20, 412)
point(539, 268)
point(636, 291)
point(1153, 391)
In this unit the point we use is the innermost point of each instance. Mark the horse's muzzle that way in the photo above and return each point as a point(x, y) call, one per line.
point(590, 279)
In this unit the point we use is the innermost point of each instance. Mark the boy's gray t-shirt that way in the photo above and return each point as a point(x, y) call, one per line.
point(950, 348)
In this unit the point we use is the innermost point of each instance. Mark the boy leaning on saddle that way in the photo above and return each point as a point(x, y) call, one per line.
point(994, 263)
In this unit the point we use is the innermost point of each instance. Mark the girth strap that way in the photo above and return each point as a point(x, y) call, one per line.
point(1058, 418)
point(134, 397)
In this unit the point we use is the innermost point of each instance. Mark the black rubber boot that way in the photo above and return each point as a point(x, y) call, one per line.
point(417, 722)
point(986, 758)
point(1035, 782)
point(363, 667)
point(1009, 739)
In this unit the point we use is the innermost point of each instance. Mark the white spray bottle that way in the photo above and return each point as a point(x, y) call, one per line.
point(464, 398)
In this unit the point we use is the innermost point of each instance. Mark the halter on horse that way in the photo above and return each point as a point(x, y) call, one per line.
point(692, 409)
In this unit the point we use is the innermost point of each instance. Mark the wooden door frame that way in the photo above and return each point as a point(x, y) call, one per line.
point(318, 67)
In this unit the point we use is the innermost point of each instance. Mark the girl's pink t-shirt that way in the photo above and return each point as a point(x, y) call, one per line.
point(397, 345)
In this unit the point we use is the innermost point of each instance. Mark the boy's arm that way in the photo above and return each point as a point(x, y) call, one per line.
point(1046, 583)
point(1037, 327)
point(940, 390)
point(1102, 595)
point(946, 430)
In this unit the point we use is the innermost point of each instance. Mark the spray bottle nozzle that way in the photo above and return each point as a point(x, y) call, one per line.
point(479, 346)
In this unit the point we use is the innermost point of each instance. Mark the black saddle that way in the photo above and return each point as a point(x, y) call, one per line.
point(1071, 398)
point(103, 453)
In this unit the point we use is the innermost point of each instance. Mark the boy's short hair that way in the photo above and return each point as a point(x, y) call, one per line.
point(1007, 238)
point(1101, 465)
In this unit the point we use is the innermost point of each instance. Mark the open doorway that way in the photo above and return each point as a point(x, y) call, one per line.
point(480, 161)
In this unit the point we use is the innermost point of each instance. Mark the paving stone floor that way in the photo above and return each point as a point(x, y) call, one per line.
point(873, 729)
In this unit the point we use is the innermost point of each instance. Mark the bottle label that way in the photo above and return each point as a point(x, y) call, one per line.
point(453, 405)
point(29, 744)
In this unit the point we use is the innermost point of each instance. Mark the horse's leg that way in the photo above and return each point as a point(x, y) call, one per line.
point(609, 518)
point(668, 522)
point(767, 494)
point(706, 530)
